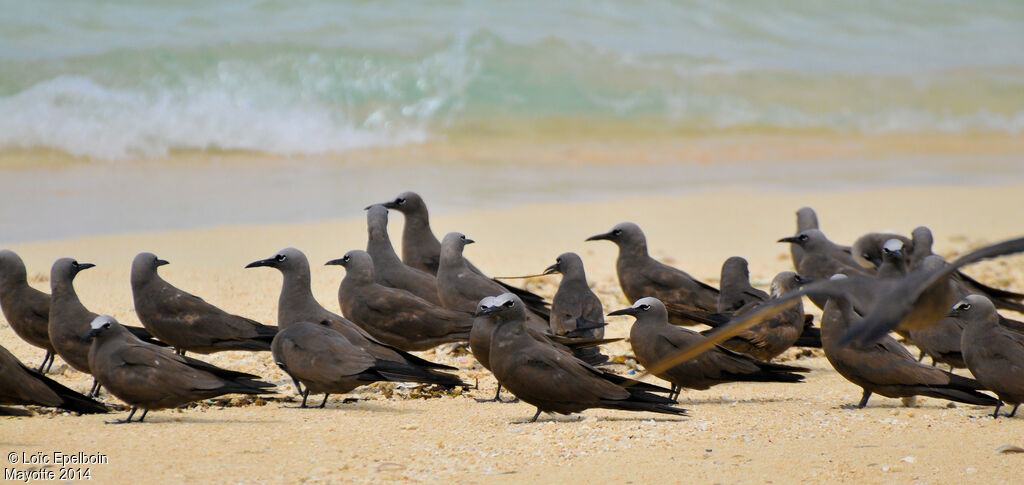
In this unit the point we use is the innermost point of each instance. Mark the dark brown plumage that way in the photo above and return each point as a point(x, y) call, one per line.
point(461, 288)
point(20, 385)
point(152, 378)
point(393, 316)
point(187, 322)
point(575, 310)
point(821, 259)
point(69, 319)
point(885, 367)
point(388, 269)
point(555, 381)
point(640, 275)
point(993, 348)
point(654, 339)
point(296, 304)
point(26, 309)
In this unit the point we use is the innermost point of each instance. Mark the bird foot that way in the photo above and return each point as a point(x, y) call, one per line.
point(119, 421)
point(349, 400)
point(851, 406)
point(498, 400)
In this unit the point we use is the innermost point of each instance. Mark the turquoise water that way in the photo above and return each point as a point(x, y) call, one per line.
point(116, 80)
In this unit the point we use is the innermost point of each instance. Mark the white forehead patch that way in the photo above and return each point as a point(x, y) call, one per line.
point(502, 298)
point(486, 302)
point(893, 245)
point(101, 320)
point(644, 301)
point(838, 277)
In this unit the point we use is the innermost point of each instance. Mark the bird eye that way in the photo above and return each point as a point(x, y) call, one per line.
point(508, 304)
point(463, 237)
point(400, 200)
point(617, 232)
point(645, 307)
point(797, 278)
point(803, 237)
point(106, 325)
point(346, 258)
point(964, 307)
point(280, 257)
point(74, 263)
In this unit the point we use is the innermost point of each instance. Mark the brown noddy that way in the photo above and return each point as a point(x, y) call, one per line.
point(69, 319)
point(422, 250)
point(394, 316)
point(735, 291)
point(774, 335)
point(913, 301)
point(640, 275)
point(185, 321)
point(552, 379)
point(867, 249)
point(653, 339)
point(575, 310)
point(296, 304)
point(820, 259)
point(993, 349)
point(20, 385)
point(461, 288)
point(152, 378)
point(806, 219)
point(26, 309)
point(885, 367)
point(922, 248)
point(387, 268)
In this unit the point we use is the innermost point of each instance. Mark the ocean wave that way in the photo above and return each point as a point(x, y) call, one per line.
point(304, 98)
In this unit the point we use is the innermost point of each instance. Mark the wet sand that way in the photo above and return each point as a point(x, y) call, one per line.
point(749, 433)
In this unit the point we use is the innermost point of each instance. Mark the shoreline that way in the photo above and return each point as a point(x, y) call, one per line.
point(735, 432)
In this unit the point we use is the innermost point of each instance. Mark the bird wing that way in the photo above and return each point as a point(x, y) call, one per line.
point(206, 319)
point(560, 377)
point(154, 372)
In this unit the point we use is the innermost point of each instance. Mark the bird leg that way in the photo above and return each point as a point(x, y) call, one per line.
point(94, 391)
point(497, 397)
point(995, 414)
point(535, 416)
point(324, 403)
point(144, 412)
point(920, 356)
point(298, 387)
point(46, 359)
point(864, 399)
point(1015, 406)
point(53, 355)
point(304, 396)
point(180, 351)
point(125, 420)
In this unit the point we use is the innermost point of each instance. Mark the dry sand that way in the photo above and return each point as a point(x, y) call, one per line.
point(749, 433)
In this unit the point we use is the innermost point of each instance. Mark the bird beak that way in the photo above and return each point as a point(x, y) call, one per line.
point(606, 236)
point(804, 281)
point(585, 325)
point(625, 311)
point(161, 262)
point(335, 262)
point(262, 262)
point(791, 240)
point(487, 310)
point(551, 269)
point(85, 266)
point(469, 241)
point(93, 333)
point(390, 205)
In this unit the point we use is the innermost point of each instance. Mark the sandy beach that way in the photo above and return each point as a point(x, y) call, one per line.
point(739, 433)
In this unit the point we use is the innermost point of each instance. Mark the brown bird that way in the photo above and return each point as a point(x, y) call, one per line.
point(297, 305)
point(485, 322)
point(885, 367)
point(69, 319)
point(26, 309)
point(821, 260)
point(187, 322)
point(422, 250)
point(653, 339)
point(152, 378)
point(993, 349)
point(640, 275)
point(806, 219)
point(575, 310)
point(388, 269)
point(20, 385)
point(913, 301)
point(394, 316)
point(553, 380)
point(461, 288)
